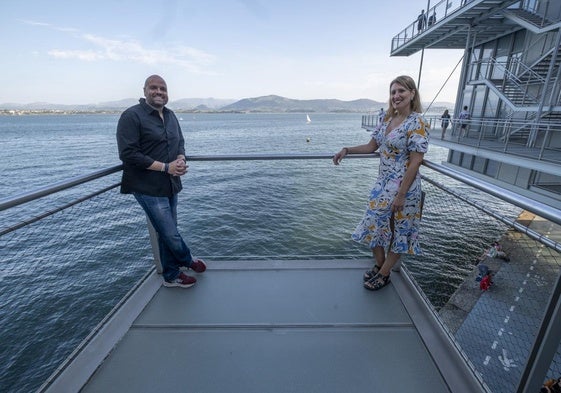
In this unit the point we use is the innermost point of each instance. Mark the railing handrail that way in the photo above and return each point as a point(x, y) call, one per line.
point(531, 205)
point(10, 202)
point(552, 125)
point(516, 62)
point(525, 203)
point(272, 157)
point(444, 8)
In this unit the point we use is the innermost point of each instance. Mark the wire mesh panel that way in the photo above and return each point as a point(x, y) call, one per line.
point(502, 288)
point(454, 234)
point(59, 277)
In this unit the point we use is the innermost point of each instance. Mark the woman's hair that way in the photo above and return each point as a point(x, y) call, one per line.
point(407, 82)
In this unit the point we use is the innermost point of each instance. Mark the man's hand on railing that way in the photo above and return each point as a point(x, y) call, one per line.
point(178, 167)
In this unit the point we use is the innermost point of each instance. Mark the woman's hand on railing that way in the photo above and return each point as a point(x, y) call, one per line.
point(339, 156)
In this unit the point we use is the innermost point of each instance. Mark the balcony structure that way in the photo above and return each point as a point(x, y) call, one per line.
point(279, 324)
point(511, 84)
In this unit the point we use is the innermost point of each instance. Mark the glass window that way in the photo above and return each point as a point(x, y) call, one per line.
point(486, 58)
point(492, 168)
point(492, 104)
point(475, 62)
point(548, 182)
point(455, 157)
point(468, 91)
point(479, 164)
point(501, 57)
point(477, 101)
point(467, 160)
point(518, 43)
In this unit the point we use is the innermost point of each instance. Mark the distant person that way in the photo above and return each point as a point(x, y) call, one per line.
point(496, 251)
point(464, 120)
point(486, 281)
point(390, 225)
point(381, 116)
point(151, 146)
point(483, 270)
point(421, 21)
point(445, 122)
point(432, 18)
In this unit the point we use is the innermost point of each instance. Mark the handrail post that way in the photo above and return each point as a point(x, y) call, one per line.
point(155, 245)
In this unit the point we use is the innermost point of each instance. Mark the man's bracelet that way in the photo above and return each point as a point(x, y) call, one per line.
point(166, 167)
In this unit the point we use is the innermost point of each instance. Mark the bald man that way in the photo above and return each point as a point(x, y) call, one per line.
point(152, 149)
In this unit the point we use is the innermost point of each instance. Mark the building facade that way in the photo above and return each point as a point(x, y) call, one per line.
point(511, 84)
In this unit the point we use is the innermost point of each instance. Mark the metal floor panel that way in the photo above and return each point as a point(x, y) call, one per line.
point(303, 327)
point(344, 360)
point(273, 297)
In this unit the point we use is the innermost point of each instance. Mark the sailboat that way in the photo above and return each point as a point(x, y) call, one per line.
point(308, 120)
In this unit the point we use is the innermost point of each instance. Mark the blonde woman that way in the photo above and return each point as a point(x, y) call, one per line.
point(390, 224)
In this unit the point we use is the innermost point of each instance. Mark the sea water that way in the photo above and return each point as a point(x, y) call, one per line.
point(230, 210)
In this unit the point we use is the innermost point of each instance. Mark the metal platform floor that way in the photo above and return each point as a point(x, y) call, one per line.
point(273, 326)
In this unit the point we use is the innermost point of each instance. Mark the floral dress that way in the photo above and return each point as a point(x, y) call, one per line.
point(374, 229)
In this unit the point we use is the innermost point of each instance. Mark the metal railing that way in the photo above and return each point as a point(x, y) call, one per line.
point(549, 12)
point(514, 80)
point(543, 10)
point(438, 12)
point(84, 255)
point(502, 135)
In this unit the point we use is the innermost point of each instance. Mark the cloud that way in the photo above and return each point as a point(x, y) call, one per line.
point(101, 48)
point(76, 54)
point(48, 25)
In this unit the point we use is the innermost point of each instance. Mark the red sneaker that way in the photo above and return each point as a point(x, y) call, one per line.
point(198, 265)
point(182, 281)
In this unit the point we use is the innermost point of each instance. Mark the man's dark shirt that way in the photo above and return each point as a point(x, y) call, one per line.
point(142, 138)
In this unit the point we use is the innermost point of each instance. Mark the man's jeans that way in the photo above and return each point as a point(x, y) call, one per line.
point(162, 212)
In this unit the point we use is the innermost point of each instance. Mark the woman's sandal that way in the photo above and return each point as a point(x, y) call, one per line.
point(369, 274)
point(377, 282)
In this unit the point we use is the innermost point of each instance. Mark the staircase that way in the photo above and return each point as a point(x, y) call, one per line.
point(530, 20)
point(514, 92)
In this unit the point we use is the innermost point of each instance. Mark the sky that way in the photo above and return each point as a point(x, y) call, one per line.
point(75, 52)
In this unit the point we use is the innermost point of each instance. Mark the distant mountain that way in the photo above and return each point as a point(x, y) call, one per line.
point(273, 103)
point(45, 106)
point(270, 103)
point(178, 105)
point(199, 103)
